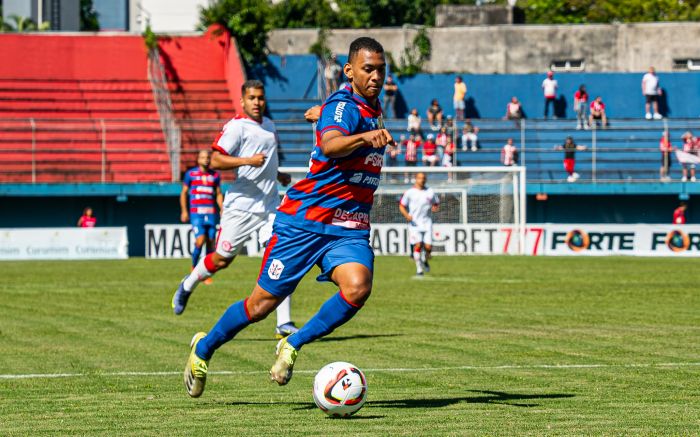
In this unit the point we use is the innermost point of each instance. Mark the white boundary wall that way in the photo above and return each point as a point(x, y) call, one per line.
point(17, 244)
point(176, 241)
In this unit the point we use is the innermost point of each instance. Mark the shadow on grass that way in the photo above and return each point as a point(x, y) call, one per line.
point(488, 397)
point(299, 406)
point(324, 339)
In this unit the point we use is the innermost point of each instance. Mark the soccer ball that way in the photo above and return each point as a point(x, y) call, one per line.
point(340, 389)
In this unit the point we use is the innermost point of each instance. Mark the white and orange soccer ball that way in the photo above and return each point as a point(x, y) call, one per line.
point(340, 389)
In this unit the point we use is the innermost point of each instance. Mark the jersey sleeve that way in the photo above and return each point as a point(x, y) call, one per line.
point(339, 115)
point(229, 140)
point(187, 180)
point(217, 179)
point(436, 199)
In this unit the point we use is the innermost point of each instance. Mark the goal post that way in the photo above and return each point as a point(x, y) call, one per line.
point(491, 199)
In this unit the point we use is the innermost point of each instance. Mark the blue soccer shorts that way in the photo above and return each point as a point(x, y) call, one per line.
point(203, 224)
point(292, 252)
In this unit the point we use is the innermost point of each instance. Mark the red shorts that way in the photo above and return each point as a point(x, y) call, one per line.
point(569, 165)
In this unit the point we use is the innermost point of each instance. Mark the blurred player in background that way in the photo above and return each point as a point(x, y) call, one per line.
point(201, 190)
point(679, 214)
point(248, 145)
point(323, 220)
point(417, 205)
point(87, 220)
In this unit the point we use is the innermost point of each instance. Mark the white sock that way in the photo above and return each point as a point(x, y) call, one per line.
point(198, 274)
point(284, 311)
point(419, 264)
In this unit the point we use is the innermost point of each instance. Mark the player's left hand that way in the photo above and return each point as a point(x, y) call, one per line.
point(284, 178)
point(313, 114)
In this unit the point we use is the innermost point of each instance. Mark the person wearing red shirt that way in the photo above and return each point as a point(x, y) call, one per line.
point(598, 112)
point(666, 148)
point(87, 220)
point(429, 149)
point(679, 214)
point(580, 104)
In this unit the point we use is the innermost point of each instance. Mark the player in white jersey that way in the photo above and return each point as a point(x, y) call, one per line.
point(417, 205)
point(248, 146)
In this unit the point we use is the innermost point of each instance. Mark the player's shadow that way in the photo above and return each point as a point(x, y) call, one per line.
point(334, 338)
point(487, 397)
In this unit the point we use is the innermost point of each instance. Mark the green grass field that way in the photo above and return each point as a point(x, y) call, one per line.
point(482, 346)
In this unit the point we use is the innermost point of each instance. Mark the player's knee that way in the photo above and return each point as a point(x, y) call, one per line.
point(258, 310)
point(358, 290)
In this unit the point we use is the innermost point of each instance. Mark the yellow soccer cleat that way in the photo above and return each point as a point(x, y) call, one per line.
point(196, 370)
point(281, 371)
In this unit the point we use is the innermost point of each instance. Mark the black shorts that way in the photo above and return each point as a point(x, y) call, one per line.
point(597, 116)
point(651, 98)
point(666, 160)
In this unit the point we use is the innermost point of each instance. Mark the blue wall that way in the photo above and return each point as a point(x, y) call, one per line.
point(487, 96)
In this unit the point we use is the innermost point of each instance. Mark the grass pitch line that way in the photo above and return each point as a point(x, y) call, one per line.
point(389, 369)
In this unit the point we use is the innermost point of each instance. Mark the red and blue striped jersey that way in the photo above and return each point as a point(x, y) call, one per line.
point(337, 194)
point(202, 190)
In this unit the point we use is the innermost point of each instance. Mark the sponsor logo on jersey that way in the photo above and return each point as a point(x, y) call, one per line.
point(356, 178)
point(375, 159)
point(275, 269)
point(338, 116)
point(371, 180)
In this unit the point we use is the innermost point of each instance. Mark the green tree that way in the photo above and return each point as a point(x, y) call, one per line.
point(88, 16)
point(23, 24)
point(249, 21)
point(609, 11)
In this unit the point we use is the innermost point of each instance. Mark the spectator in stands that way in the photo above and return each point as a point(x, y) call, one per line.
point(391, 155)
point(469, 136)
point(549, 86)
point(514, 111)
point(458, 98)
point(679, 214)
point(87, 220)
point(434, 115)
point(390, 90)
point(509, 154)
point(411, 154)
point(332, 73)
point(449, 126)
point(580, 105)
point(448, 155)
point(430, 156)
point(570, 148)
point(651, 91)
point(690, 146)
point(598, 112)
point(414, 122)
point(666, 148)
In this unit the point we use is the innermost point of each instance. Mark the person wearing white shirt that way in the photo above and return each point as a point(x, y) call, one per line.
point(417, 205)
point(651, 91)
point(549, 85)
point(247, 145)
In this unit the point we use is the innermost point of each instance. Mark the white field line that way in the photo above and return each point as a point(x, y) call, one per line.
point(378, 370)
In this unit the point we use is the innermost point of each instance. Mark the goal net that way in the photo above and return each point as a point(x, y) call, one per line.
point(482, 209)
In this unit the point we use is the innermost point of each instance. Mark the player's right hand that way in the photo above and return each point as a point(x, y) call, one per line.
point(378, 138)
point(184, 217)
point(256, 160)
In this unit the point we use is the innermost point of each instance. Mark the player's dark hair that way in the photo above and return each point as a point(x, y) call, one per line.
point(252, 83)
point(364, 43)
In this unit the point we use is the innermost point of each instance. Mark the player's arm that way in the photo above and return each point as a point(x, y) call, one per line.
point(581, 147)
point(313, 114)
point(219, 198)
point(404, 213)
point(219, 161)
point(335, 144)
point(184, 214)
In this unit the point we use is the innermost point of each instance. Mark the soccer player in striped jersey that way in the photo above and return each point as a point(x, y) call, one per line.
point(248, 146)
point(323, 220)
point(201, 193)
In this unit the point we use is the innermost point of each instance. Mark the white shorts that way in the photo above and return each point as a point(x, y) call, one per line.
point(417, 235)
point(431, 159)
point(237, 226)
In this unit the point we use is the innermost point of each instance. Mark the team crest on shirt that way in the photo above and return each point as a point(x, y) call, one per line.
point(275, 270)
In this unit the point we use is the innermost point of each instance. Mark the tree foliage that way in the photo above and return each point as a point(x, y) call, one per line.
point(88, 16)
point(249, 21)
point(23, 24)
point(609, 11)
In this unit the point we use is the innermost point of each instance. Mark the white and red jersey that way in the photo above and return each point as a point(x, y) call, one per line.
point(508, 154)
point(550, 87)
point(255, 188)
point(441, 139)
point(419, 204)
point(690, 145)
point(581, 97)
point(597, 106)
point(412, 150)
point(679, 216)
